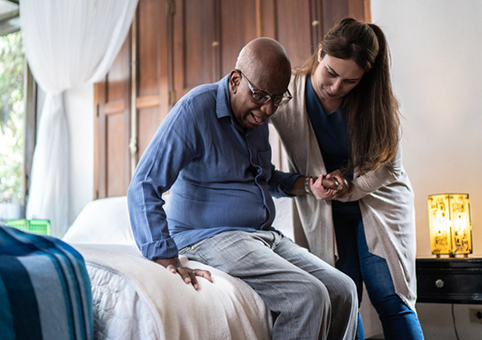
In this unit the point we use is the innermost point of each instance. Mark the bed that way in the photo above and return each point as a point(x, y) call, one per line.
point(134, 298)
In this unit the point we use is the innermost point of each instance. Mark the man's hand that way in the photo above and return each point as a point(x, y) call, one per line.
point(331, 186)
point(188, 275)
point(343, 185)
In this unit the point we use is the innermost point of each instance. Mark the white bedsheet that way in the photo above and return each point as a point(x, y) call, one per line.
point(135, 298)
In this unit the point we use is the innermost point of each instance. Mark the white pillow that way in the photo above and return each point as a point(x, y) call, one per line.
point(103, 221)
point(106, 221)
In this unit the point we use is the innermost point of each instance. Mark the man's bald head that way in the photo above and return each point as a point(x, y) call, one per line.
point(264, 58)
point(265, 63)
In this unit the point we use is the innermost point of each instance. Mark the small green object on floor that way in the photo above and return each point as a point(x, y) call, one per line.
point(41, 227)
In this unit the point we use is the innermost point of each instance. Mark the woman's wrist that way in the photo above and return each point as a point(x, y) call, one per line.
point(307, 185)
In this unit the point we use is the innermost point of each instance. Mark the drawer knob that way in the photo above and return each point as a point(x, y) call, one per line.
point(439, 283)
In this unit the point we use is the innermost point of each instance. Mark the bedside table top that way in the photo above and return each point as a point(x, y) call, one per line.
point(449, 263)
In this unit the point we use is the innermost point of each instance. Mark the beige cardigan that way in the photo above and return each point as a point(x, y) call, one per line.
point(385, 197)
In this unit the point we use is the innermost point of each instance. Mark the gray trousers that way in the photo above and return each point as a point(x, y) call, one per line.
point(309, 298)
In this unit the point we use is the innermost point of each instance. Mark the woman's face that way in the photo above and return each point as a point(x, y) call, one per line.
point(334, 78)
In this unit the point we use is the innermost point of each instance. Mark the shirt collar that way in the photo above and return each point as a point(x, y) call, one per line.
point(223, 101)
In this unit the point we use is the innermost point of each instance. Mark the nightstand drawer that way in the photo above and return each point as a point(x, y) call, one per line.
point(449, 280)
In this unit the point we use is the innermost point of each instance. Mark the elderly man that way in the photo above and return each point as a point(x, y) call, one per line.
point(212, 152)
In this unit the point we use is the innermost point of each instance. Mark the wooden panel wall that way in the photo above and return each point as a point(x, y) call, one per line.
point(152, 82)
point(194, 53)
point(112, 96)
point(237, 26)
point(176, 45)
point(295, 24)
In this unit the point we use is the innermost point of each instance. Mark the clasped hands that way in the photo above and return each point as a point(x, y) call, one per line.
point(331, 186)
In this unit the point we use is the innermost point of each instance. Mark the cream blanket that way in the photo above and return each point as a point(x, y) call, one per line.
point(135, 298)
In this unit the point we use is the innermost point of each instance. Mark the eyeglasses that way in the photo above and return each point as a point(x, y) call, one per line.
point(260, 97)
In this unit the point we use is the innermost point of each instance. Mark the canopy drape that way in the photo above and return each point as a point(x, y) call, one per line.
point(67, 43)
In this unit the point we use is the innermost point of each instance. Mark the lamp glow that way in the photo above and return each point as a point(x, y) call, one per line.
point(450, 226)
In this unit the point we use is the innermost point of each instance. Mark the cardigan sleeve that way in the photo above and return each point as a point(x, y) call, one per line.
point(372, 181)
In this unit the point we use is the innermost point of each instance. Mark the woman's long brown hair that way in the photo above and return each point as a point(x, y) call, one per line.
point(373, 116)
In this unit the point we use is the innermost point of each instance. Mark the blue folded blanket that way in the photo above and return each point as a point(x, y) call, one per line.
point(45, 290)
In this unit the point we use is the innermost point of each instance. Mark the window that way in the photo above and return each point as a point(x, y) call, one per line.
point(18, 117)
point(12, 126)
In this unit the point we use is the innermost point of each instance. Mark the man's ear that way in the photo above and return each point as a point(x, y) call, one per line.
point(234, 81)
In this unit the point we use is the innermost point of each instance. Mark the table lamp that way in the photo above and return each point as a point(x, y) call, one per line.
point(450, 227)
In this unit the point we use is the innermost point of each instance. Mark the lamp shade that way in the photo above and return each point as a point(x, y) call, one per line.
point(450, 226)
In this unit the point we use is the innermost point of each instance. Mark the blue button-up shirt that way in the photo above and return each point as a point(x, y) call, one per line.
point(220, 176)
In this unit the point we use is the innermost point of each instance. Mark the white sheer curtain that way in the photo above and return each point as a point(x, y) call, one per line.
point(67, 43)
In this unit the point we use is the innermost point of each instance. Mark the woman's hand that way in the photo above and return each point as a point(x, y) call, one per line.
point(322, 188)
point(343, 185)
point(332, 186)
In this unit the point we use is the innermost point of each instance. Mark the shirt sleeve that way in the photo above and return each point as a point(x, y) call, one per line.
point(171, 149)
point(281, 183)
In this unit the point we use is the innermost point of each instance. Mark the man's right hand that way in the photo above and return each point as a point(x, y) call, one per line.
point(188, 275)
point(344, 186)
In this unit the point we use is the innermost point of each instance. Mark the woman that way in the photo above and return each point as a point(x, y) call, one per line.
point(344, 121)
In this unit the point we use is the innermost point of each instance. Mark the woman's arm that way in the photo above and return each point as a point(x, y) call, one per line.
point(371, 181)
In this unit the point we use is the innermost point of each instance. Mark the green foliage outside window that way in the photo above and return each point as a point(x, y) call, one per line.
point(12, 64)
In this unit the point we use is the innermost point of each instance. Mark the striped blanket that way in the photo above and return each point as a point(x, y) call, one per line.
point(45, 290)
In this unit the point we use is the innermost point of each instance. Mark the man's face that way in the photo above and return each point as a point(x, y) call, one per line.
point(249, 113)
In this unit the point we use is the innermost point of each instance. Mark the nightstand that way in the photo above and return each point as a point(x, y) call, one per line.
point(450, 280)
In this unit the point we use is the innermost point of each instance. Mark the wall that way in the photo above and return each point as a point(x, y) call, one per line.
point(79, 105)
point(436, 47)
